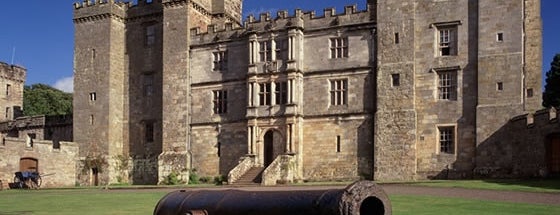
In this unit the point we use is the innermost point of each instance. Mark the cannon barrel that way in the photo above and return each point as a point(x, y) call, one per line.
point(363, 197)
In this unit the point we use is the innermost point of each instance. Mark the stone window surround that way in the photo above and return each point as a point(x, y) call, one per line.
point(395, 79)
point(276, 47)
point(452, 147)
point(452, 28)
point(220, 60)
point(451, 85)
point(338, 47)
point(338, 90)
point(219, 101)
point(8, 89)
point(150, 34)
point(255, 90)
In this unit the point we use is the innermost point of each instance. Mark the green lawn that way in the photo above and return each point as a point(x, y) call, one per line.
point(120, 202)
point(548, 185)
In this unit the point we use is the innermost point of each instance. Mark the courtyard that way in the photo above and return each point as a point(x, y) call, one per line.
point(434, 197)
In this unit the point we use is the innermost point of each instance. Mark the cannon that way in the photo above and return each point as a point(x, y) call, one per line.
point(362, 197)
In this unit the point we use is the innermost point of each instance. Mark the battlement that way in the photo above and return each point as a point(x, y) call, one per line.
point(12, 72)
point(300, 19)
point(123, 4)
point(89, 10)
point(538, 118)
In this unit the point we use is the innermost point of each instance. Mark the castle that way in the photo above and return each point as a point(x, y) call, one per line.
point(402, 90)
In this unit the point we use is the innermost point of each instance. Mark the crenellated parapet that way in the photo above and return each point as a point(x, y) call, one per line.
point(539, 118)
point(12, 72)
point(283, 21)
point(92, 10)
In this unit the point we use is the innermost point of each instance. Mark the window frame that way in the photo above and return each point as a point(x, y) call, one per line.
point(220, 60)
point(447, 83)
point(447, 139)
point(150, 35)
point(281, 92)
point(220, 101)
point(449, 41)
point(265, 94)
point(265, 51)
point(338, 89)
point(338, 47)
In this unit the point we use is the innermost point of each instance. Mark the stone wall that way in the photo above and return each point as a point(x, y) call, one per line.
point(518, 149)
point(57, 166)
point(12, 79)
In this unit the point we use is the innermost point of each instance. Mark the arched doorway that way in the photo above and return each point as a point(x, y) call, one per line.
point(553, 155)
point(272, 146)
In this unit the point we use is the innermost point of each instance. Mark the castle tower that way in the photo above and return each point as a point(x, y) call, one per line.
point(12, 79)
point(395, 117)
point(99, 85)
point(131, 103)
point(509, 66)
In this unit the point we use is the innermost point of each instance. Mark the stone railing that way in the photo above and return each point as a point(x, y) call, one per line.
point(282, 170)
point(245, 164)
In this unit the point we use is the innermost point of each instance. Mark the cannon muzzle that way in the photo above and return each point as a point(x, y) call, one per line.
point(363, 197)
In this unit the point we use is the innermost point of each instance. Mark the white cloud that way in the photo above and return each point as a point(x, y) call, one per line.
point(65, 84)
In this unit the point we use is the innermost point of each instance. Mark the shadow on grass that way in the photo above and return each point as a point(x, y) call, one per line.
point(548, 184)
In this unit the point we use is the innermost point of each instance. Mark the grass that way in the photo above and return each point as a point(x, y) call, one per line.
point(419, 205)
point(78, 201)
point(546, 186)
point(124, 202)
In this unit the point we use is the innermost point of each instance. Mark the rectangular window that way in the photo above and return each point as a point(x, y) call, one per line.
point(500, 86)
point(92, 96)
point(281, 49)
point(396, 80)
point(447, 85)
point(529, 92)
point(149, 132)
point(339, 92)
point(339, 47)
point(447, 42)
point(338, 143)
point(264, 94)
point(500, 37)
point(281, 93)
point(265, 51)
point(91, 119)
point(8, 89)
point(397, 39)
point(7, 113)
point(447, 139)
point(148, 84)
point(220, 61)
point(220, 101)
point(150, 35)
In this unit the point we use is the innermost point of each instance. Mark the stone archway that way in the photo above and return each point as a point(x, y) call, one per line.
point(28, 165)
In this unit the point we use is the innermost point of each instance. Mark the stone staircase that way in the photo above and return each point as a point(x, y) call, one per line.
point(251, 177)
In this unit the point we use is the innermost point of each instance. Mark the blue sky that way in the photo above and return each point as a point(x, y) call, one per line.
point(39, 34)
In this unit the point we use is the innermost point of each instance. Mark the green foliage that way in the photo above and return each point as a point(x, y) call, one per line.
point(551, 95)
point(41, 99)
point(220, 180)
point(172, 179)
point(193, 177)
point(94, 162)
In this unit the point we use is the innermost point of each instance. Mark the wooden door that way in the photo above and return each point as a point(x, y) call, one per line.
point(28, 164)
point(553, 155)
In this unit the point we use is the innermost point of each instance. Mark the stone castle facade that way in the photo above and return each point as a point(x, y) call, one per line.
point(403, 90)
point(39, 143)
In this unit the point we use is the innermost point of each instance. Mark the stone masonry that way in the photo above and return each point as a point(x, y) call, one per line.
point(402, 90)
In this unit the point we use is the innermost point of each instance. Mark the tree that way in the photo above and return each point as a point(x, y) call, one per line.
point(41, 99)
point(551, 95)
